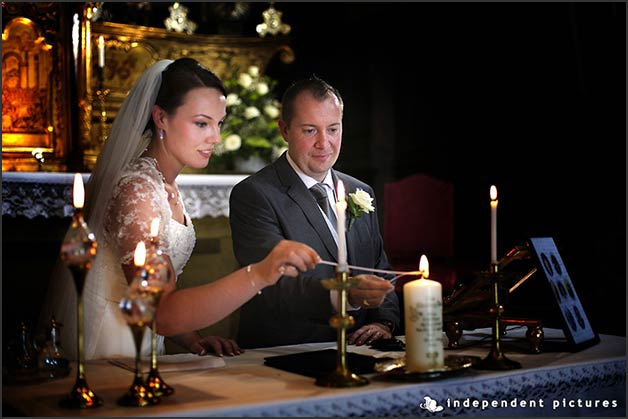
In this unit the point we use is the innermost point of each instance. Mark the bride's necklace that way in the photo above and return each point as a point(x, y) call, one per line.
point(172, 195)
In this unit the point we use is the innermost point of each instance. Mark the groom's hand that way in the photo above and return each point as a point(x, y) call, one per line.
point(370, 291)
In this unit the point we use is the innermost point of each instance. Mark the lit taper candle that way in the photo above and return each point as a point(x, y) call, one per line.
point(493, 193)
point(139, 257)
point(78, 191)
point(154, 228)
point(101, 51)
point(341, 209)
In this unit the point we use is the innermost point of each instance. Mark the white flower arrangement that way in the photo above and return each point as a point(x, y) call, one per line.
point(358, 203)
point(232, 142)
point(250, 128)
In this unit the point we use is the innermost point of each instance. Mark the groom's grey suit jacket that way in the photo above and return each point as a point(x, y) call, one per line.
point(274, 204)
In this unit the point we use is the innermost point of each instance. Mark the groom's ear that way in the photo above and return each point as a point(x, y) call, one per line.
point(283, 129)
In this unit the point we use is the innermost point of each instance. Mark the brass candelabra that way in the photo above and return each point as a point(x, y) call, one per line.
point(496, 360)
point(158, 275)
point(78, 250)
point(138, 309)
point(341, 321)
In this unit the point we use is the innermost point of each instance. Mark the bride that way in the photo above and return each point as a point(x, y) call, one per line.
point(170, 119)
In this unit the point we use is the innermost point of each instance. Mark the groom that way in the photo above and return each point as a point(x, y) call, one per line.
point(294, 198)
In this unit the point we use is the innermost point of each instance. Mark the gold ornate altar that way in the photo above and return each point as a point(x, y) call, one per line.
point(35, 77)
point(129, 50)
point(42, 68)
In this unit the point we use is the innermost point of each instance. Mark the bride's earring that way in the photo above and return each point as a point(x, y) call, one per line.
point(161, 134)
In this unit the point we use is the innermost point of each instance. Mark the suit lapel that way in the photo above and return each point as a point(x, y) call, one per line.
point(297, 191)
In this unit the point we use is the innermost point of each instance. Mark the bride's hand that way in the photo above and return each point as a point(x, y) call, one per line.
point(217, 345)
point(287, 258)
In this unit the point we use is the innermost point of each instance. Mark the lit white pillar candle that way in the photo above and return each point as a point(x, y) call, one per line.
point(494, 201)
point(101, 51)
point(423, 309)
point(341, 208)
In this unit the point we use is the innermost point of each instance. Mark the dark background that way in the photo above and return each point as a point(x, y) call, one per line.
point(530, 97)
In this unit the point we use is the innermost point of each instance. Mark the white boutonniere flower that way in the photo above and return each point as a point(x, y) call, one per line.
point(358, 203)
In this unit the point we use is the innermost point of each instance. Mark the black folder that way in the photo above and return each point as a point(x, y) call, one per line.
point(319, 363)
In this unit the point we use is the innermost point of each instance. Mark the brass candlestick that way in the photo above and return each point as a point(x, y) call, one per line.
point(78, 250)
point(496, 360)
point(157, 276)
point(138, 309)
point(154, 381)
point(102, 94)
point(341, 376)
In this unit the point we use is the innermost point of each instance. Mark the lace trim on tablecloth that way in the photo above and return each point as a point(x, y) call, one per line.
point(32, 200)
point(55, 200)
point(604, 379)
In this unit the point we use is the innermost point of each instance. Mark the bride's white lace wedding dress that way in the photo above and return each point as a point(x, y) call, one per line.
point(138, 197)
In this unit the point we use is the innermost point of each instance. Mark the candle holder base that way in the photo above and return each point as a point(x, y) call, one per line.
point(497, 362)
point(341, 321)
point(157, 385)
point(81, 397)
point(138, 395)
point(341, 379)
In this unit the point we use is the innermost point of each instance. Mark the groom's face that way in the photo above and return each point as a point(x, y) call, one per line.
point(314, 135)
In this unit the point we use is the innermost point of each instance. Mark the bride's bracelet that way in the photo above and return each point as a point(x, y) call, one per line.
point(248, 272)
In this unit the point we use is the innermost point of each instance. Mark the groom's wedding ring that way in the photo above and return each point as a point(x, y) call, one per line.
point(282, 269)
point(365, 303)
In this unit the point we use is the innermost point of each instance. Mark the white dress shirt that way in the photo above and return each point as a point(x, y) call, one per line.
point(331, 196)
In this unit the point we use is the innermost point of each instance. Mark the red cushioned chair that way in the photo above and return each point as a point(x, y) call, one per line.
point(419, 219)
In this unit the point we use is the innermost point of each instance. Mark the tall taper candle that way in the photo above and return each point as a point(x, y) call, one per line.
point(494, 201)
point(341, 208)
point(101, 51)
point(423, 310)
point(78, 191)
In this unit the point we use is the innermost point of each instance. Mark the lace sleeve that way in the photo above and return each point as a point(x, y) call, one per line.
point(137, 199)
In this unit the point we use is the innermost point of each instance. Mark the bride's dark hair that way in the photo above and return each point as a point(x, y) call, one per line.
point(165, 84)
point(181, 76)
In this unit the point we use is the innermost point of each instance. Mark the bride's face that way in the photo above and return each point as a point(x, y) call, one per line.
point(193, 130)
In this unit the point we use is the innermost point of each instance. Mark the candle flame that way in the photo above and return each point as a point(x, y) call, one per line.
point(78, 192)
point(140, 254)
point(101, 41)
point(341, 191)
point(154, 227)
point(493, 193)
point(424, 266)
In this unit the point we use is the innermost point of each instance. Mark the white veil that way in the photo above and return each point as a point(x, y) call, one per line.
point(125, 143)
